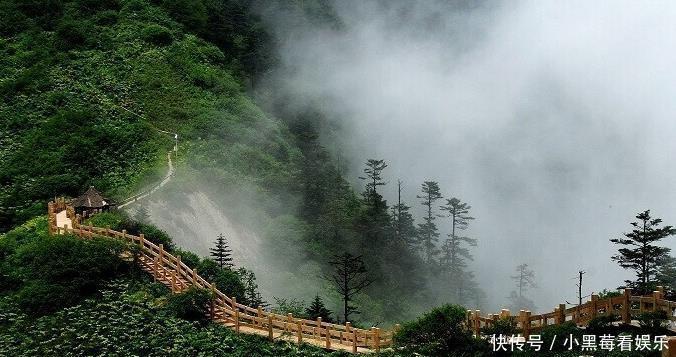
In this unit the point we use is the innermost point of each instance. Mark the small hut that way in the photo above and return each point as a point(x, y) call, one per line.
point(90, 202)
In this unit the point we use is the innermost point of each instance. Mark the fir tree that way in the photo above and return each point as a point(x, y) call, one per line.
point(523, 280)
point(403, 224)
point(454, 253)
point(221, 253)
point(428, 233)
point(641, 254)
point(317, 309)
point(252, 296)
point(349, 278)
point(374, 220)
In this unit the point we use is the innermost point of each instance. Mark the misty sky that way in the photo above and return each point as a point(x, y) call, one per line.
point(554, 120)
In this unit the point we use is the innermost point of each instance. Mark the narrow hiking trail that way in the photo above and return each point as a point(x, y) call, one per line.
point(170, 173)
point(165, 180)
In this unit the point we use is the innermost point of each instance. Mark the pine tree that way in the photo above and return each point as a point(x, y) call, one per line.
point(454, 254)
point(374, 220)
point(317, 309)
point(641, 254)
point(252, 296)
point(373, 171)
point(403, 224)
point(428, 233)
point(523, 280)
point(221, 253)
point(349, 278)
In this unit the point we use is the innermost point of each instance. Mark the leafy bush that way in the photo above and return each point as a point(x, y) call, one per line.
point(440, 332)
point(55, 272)
point(191, 13)
point(556, 334)
point(653, 322)
point(191, 304)
point(158, 35)
point(602, 325)
point(226, 280)
point(72, 34)
point(290, 306)
point(124, 321)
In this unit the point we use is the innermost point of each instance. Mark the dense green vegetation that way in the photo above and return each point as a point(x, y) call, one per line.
point(86, 84)
point(128, 317)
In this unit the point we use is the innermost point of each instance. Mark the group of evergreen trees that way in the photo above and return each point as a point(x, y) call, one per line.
point(221, 254)
point(392, 232)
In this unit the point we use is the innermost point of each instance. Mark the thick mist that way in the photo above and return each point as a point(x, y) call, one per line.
point(554, 120)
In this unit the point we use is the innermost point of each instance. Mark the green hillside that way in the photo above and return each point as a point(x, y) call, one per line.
point(91, 91)
point(86, 83)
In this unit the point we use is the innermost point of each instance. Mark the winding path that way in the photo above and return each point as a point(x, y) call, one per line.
point(170, 173)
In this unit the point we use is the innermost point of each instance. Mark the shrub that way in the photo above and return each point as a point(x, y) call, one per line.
point(158, 35)
point(226, 280)
point(191, 13)
point(191, 305)
point(602, 325)
point(439, 332)
point(291, 306)
point(56, 272)
point(72, 34)
point(653, 322)
point(557, 334)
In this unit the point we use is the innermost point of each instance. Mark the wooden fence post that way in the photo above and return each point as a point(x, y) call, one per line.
point(287, 322)
point(562, 314)
point(319, 327)
point(354, 341)
point(594, 305)
point(477, 323)
point(173, 281)
point(212, 307)
point(328, 336)
point(626, 306)
point(236, 309)
point(270, 335)
point(178, 272)
point(525, 323)
point(155, 271)
point(377, 339)
point(141, 241)
point(259, 314)
point(299, 333)
point(656, 297)
point(194, 276)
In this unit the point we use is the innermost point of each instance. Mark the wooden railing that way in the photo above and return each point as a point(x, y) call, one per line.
point(170, 270)
point(624, 306)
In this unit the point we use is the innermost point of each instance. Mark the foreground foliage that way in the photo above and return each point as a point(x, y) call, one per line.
point(128, 318)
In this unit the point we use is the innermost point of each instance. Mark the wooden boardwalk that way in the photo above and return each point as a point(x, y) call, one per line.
point(172, 272)
point(169, 270)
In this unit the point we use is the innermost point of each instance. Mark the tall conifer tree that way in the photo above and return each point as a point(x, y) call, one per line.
point(221, 253)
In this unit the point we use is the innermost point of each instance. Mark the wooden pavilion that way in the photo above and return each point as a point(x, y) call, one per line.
point(90, 202)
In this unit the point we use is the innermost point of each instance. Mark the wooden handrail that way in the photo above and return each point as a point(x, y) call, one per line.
point(180, 276)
